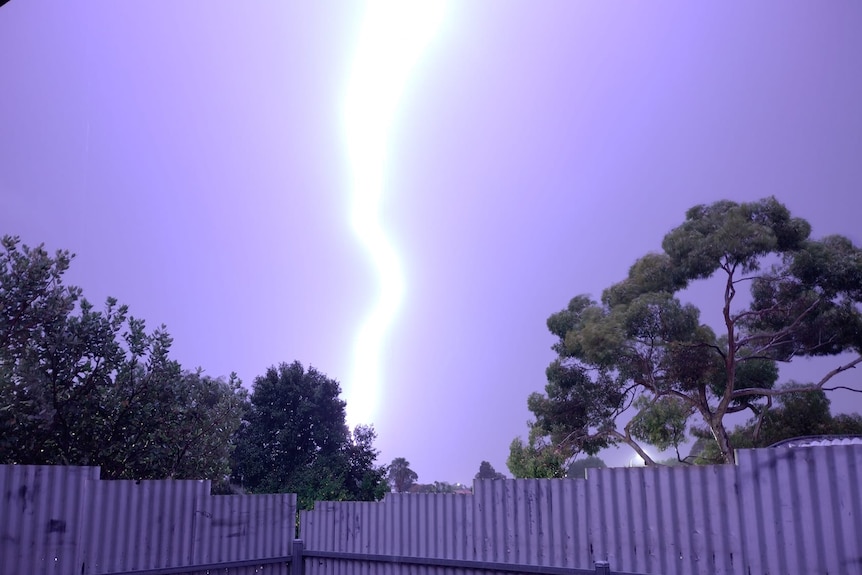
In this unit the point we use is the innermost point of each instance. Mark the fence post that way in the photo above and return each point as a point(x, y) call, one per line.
point(603, 568)
point(297, 566)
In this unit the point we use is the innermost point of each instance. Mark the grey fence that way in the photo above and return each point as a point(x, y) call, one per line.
point(778, 511)
point(65, 521)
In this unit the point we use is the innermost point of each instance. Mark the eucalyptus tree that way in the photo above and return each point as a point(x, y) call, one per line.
point(642, 349)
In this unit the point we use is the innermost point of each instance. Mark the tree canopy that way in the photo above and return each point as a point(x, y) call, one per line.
point(295, 440)
point(641, 348)
point(85, 387)
point(536, 459)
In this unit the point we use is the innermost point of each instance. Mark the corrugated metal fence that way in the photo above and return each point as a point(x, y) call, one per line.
point(779, 511)
point(64, 520)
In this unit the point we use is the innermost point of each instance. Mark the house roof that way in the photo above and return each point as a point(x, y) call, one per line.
point(817, 440)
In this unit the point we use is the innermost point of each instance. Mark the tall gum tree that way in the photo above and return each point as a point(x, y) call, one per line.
point(641, 348)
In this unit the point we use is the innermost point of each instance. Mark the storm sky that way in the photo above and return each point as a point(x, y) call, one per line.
point(194, 156)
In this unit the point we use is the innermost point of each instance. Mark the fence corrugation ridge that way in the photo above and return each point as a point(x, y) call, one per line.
point(40, 517)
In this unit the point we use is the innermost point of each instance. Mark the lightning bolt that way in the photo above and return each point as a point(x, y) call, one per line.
point(392, 37)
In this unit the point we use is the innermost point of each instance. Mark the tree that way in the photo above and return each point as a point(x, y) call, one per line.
point(401, 477)
point(537, 460)
point(642, 348)
point(365, 481)
point(295, 440)
point(31, 296)
point(208, 412)
point(578, 468)
point(84, 387)
point(487, 471)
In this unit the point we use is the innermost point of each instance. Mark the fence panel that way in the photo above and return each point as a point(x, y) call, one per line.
point(132, 525)
point(505, 522)
point(65, 520)
point(795, 510)
point(41, 517)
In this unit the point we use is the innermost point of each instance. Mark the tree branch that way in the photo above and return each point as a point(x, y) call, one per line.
point(758, 312)
point(627, 439)
point(737, 408)
point(819, 386)
point(844, 387)
point(774, 337)
point(837, 370)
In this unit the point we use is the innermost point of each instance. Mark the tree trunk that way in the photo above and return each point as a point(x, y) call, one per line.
point(723, 440)
point(716, 420)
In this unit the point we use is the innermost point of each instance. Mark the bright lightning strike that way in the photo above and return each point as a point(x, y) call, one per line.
point(392, 37)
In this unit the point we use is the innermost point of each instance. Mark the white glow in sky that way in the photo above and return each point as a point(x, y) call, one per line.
point(392, 37)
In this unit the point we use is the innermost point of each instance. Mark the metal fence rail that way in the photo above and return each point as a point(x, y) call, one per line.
point(358, 560)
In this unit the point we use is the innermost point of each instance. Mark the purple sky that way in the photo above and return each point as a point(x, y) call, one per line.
point(192, 154)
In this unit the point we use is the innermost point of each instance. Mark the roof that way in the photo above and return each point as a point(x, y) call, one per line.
point(819, 440)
